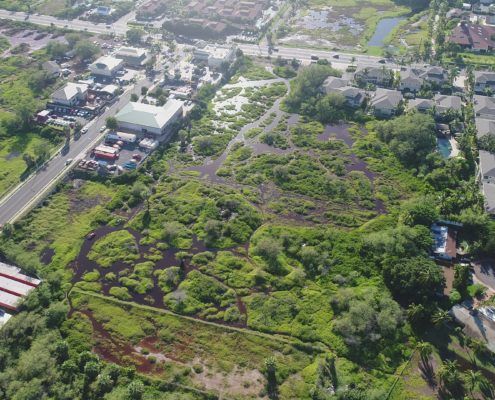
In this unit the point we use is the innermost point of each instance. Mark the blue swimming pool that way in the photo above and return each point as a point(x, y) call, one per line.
point(444, 147)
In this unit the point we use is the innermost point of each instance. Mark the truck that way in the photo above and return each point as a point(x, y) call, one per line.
point(106, 156)
point(121, 136)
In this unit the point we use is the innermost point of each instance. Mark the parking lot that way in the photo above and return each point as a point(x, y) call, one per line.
point(128, 157)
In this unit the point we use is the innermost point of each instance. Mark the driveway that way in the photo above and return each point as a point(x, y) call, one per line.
point(484, 270)
point(476, 325)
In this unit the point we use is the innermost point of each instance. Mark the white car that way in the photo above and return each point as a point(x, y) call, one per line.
point(68, 161)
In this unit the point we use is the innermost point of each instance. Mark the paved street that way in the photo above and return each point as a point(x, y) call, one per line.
point(74, 24)
point(476, 325)
point(35, 187)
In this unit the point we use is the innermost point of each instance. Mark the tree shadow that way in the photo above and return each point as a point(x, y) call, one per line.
point(428, 372)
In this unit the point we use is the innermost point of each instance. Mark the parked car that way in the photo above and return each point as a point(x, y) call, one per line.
point(137, 156)
point(90, 235)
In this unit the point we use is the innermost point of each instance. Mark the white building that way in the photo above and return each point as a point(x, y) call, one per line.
point(215, 56)
point(106, 66)
point(71, 94)
point(145, 118)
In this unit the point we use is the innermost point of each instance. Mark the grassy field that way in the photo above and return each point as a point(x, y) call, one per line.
point(12, 164)
point(22, 89)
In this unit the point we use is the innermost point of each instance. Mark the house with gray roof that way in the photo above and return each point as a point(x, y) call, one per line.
point(145, 118)
point(379, 76)
point(487, 176)
point(71, 94)
point(353, 95)
point(333, 82)
point(410, 81)
point(444, 103)
point(484, 107)
point(484, 80)
point(433, 74)
point(421, 105)
point(484, 127)
point(386, 102)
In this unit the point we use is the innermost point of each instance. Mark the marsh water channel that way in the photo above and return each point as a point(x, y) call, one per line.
point(154, 296)
point(208, 170)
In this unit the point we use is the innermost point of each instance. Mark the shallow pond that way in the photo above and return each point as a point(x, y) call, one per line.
point(383, 28)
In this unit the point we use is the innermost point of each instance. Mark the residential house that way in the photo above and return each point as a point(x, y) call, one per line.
point(421, 105)
point(151, 9)
point(132, 56)
point(149, 119)
point(487, 177)
point(444, 241)
point(333, 82)
point(484, 107)
point(72, 94)
point(478, 38)
point(445, 103)
point(484, 80)
point(410, 81)
point(385, 102)
point(379, 76)
point(354, 96)
point(484, 127)
point(434, 74)
point(106, 66)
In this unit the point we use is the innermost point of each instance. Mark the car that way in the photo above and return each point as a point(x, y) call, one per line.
point(90, 235)
point(382, 61)
point(137, 157)
point(84, 130)
point(336, 56)
point(68, 161)
point(313, 57)
point(108, 26)
point(102, 129)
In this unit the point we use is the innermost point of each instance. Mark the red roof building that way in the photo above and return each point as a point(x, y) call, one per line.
point(478, 38)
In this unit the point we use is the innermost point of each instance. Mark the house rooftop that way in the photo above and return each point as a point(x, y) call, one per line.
point(386, 98)
point(444, 102)
point(108, 62)
point(70, 90)
point(484, 106)
point(484, 127)
point(487, 163)
point(333, 82)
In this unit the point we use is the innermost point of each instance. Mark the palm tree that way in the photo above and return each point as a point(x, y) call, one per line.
point(441, 317)
point(415, 313)
point(425, 349)
point(473, 380)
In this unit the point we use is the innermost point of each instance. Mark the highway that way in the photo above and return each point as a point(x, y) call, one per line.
point(75, 24)
point(31, 191)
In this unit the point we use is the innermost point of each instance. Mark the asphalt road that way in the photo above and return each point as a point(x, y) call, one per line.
point(33, 189)
point(75, 24)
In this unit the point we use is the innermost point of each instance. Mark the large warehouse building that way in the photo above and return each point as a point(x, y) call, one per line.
point(145, 118)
